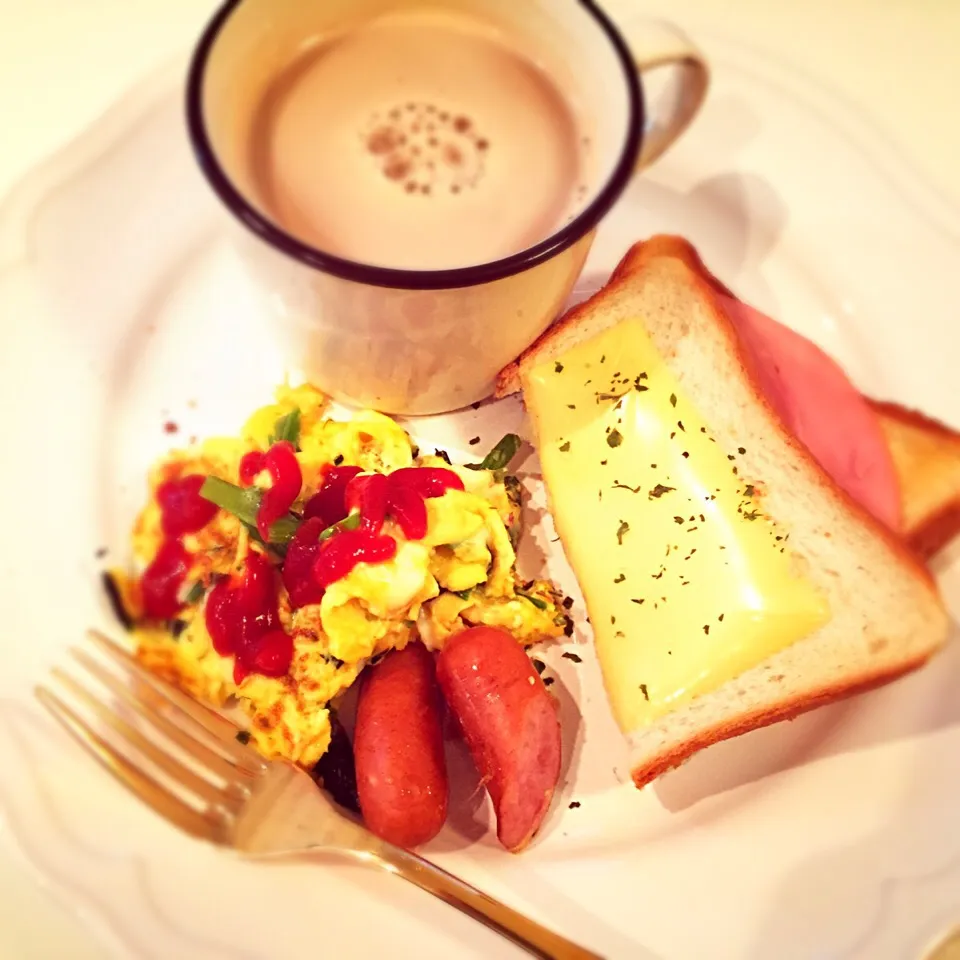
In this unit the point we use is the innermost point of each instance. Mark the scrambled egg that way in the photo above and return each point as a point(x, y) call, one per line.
point(462, 573)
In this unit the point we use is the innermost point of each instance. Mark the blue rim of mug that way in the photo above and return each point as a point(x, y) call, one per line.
point(397, 278)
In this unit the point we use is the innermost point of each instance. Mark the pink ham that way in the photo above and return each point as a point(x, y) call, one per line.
point(822, 408)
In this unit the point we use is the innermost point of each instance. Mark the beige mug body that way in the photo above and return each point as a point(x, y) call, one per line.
point(408, 341)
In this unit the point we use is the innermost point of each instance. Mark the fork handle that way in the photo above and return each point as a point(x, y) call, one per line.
point(531, 936)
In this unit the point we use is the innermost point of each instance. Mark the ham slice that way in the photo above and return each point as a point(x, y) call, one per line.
point(822, 408)
point(808, 390)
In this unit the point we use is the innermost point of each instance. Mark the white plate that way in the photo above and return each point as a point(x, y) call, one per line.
point(124, 308)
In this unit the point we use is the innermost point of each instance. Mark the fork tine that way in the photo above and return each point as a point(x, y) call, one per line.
point(204, 826)
point(180, 772)
point(215, 762)
point(219, 728)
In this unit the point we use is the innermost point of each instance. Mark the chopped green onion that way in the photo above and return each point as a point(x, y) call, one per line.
point(536, 601)
point(194, 594)
point(347, 523)
point(243, 503)
point(464, 594)
point(288, 428)
point(500, 456)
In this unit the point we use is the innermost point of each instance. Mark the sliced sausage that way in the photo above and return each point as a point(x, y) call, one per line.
point(398, 748)
point(510, 724)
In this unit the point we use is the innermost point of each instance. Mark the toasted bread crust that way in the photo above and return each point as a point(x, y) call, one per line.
point(942, 525)
point(936, 533)
point(785, 710)
point(914, 418)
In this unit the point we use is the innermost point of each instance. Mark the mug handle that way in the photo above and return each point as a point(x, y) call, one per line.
point(656, 45)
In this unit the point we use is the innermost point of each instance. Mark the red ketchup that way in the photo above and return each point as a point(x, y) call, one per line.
point(329, 503)
point(302, 554)
point(242, 620)
point(280, 461)
point(409, 509)
point(400, 495)
point(162, 580)
point(342, 552)
point(429, 482)
point(367, 494)
point(374, 496)
point(182, 509)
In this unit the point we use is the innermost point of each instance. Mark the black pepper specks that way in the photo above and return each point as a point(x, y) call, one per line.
point(558, 367)
point(614, 438)
point(673, 399)
point(706, 628)
point(621, 530)
point(565, 446)
point(643, 690)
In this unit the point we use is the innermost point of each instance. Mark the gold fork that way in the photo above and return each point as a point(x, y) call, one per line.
point(217, 789)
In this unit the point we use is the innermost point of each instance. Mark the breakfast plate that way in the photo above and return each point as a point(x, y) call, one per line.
point(131, 326)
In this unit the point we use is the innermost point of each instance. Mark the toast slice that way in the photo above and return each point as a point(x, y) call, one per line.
point(885, 613)
point(926, 455)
